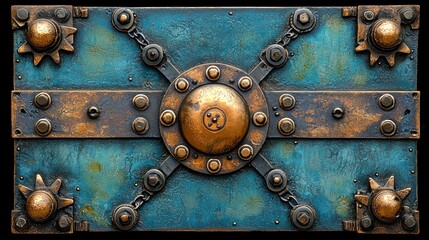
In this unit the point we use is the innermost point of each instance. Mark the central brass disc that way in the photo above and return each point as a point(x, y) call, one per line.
point(43, 34)
point(214, 118)
point(386, 206)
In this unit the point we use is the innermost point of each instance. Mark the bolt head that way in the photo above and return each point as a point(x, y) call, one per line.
point(409, 222)
point(408, 14)
point(303, 218)
point(259, 119)
point(287, 101)
point(63, 223)
point(388, 127)
point(42, 100)
point(22, 14)
point(141, 102)
point(245, 152)
point(21, 223)
point(366, 223)
point(153, 180)
point(125, 218)
point(286, 126)
point(213, 73)
point(124, 18)
point(386, 101)
point(275, 55)
point(181, 152)
point(369, 15)
point(213, 165)
point(245, 83)
point(152, 54)
point(303, 18)
point(43, 127)
point(182, 85)
point(61, 14)
point(167, 118)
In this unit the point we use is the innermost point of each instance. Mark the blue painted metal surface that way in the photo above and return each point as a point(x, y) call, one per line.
point(321, 171)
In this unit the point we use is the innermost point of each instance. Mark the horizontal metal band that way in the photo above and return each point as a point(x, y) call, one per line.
point(69, 118)
point(311, 114)
point(313, 117)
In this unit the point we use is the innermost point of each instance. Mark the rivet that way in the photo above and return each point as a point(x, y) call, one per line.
point(130, 79)
point(234, 224)
point(140, 125)
point(303, 18)
point(229, 157)
point(167, 118)
point(43, 127)
point(355, 180)
point(141, 102)
point(286, 126)
point(275, 108)
point(277, 179)
point(136, 184)
point(22, 223)
point(93, 112)
point(295, 142)
point(407, 14)
point(61, 14)
point(276, 114)
point(125, 218)
point(338, 113)
point(245, 83)
point(376, 174)
point(42, 100)
point(213, 73)
point(181, 152)
point(410, 150)
point(368, 15)
point(245, 152)
point(366, 223)
point(181, 85)
point(230, 13)
point(17, 60)
point(19, 77)
point(22, 14)
point(18, 149)
point(412, 171)
point(64, 223)
point(303, 218)
point(409, 223)
point(275, 55)
point(388, 127)
point(194, 81)
point(259, 119)
point(21, 178)
point(276, 222)
point(213, 165)
point(78, 189)
point(124, 18)
point(287, 101)
point(386, 102)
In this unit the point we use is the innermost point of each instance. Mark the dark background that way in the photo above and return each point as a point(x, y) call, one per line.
point(7, 159)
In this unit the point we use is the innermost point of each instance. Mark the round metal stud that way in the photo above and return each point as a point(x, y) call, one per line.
point(276, 55)
point(388, 128)
point(245, 83)
point(154, 180)
point(167, 118)
point(338, 113)
point(181, 152)
point(276, 180)
point(42, 100)
point(123, 19)
point(43, 35)
point(386, 34)
point(141, 102)
point(140, 125)
point(41, 205)
point(22, 14)
point(152, 54)
point(125, 217)
point(61, 14)
point(63, 223)
point(245, 152)
point(260, 119)
point(367, 223)
point(286, 126)
point(213, 73)
point(287, 101)
point(407, 15)
point(214, 118)
point(22, 224)
point(43, 127)
point(409, 223)
point(214, 166)
point(93, 112)
point(181, 85)
point(386, 102)
point(368, 16)
point(303, 20)
point(302, 216)
point(386, 205)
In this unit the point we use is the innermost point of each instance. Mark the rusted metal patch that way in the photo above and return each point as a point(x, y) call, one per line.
point(69, 117)
point(362, 115)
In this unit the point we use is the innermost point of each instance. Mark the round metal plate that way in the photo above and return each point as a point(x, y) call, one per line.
point(254, 101)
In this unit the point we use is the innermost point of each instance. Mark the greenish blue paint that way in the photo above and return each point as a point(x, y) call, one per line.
point(321, 172)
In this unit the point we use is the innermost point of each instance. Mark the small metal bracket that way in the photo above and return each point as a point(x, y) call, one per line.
point(382, 210)
point(380, 29)
point(49, 29)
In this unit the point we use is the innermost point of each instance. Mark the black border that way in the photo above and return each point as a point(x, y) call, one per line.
point(7, 166)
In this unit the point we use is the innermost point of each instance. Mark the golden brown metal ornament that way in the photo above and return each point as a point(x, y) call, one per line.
point(46, 37)
point(384, 202)
point(380, 29)
point(43, 202)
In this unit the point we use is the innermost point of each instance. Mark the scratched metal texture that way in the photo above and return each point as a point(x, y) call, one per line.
point(321, 171)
